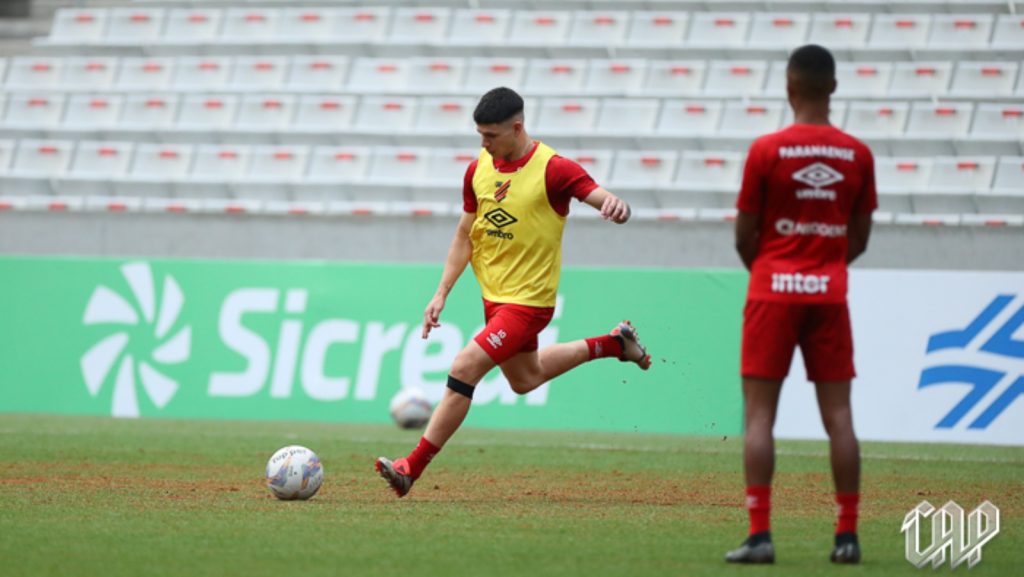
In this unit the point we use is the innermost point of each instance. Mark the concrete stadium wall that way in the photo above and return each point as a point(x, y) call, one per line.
point(426, 239)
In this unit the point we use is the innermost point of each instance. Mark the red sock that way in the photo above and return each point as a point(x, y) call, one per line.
point(604, 346)
point(848, 505)
point(420, 457)
point(759, 505)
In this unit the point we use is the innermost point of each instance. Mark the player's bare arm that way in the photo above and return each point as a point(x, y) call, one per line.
point(747, 224)
point(858, 232)
point(612, 207)
point(459, 254)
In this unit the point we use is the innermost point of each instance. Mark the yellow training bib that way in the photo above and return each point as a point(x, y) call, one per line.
point(517, 235)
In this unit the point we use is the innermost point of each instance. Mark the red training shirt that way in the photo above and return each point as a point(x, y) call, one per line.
point(805, 182)
point(565, 180)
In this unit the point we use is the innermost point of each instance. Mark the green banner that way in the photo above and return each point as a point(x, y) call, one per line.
point(334, 342)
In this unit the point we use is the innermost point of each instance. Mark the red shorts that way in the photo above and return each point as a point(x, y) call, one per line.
point(511, 329)
point(771, 331)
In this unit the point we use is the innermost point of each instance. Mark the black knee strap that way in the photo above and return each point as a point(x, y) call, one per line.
point(464, 389)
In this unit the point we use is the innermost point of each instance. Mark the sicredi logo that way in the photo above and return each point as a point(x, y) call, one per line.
point(107, 307)
point(787, 227)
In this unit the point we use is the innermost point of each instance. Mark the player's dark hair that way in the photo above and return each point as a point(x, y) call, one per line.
point(497, 106)
point(814, 71)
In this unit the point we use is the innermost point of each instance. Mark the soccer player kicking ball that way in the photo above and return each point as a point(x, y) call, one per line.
point(804, 213)
point(515, 201)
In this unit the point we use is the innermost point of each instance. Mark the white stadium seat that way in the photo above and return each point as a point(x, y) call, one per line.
point(445, 115)
point(615, 76)
point(419, 25)
point(376, 75)
point(987, 79)
point(446, 169)
point(1009, 179)
point(899, 30)
point(884, 119)
point(775, 81)
point(272, 171)
point(94, 166)
point(567, 115)
point(73, 25)
point(192, 25)
point(265, 112)
point(836, 113)
point(317, 72)
point(339, 163)
point(90, 73)
point(736, 77)
point(960, 30)
point(202, 73)
point(92, 111)
point(214, 166)
point(249, 25)
point(662, 29)
point(719, 29)
point(1009, 31)
point(149, 74)
point(36, 163)
point(898, 179)
point(628, 115)
point(479, 27)
point(910, 79)
point(778, 30)
point(6, 155)
point(259, 73)
point(362, 24)
point(640, 173)
point(751, 119)
point(540, 28)
point(955, 182)
point(386, 113)
point(436, 74)
point(1001, 121)
point(483, 74)
point(33, 110)
point(555, 76)
point(134, 24)
point(599, 28)
point(713, 171)
point(839, 30)
point(597, 163)
point(861, 79)
point(945, 120)
point(675, 77)
point(324, 113)
point(690, 117)
point(148, 111)
point(400, 166)
point(161, 162)
point(207, 111)
point(307, 24)
point(34, 72)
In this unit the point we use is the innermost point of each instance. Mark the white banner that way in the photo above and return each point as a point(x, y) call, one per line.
point(939, 357)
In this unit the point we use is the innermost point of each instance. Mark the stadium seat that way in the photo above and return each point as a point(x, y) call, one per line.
point(401, 167)
point(483, 74)
point(946, 120)
point(34, 72)
point(539, 28)
point(201, 73)
point(446, 167)
point(1009, 179)
point(620, 77)
point(386, 113)
point(675, 78)
point(74, 25)
point(148, 74)
point(94, 166)
point(599, 28)
point(259, 73)
point(148, 111)
point(328, 167)
point(92, 111)
point(265, 112)
point(960, 30)
point(134, 25)
point(898, 179)
point(628, 116)
point(861, 79)
point(324, 113)
point(661, 29)
point(877, 119)
point(204, 112)
point(192, 25)
point(910, 79)
point(6, 155)
point(555, 76)
point(157, 169)
point(706, 179)
point(836, 113)
point(567, 116)
point(307, 24)
point(954, 183)
point(416, 25)
point(775, 81)
point(689, 117)
point(1009, 31)
point(376, 75)
point(272, 171)
point(214, 167)
point(317, 72)
point(479, 27)
point(899, 30)
point(639, 173)
point(778, 30)
point(362, 24)
point(445, 115)
point(751, 119)
point(839, 30)
point(718, 29)
point(735, 77)
point(249, 25)
point(33, 110)
point(36, 163)
point(998, 121)
point(443, 75)
point(597, 163)
point(90, 73)
point(984, 78)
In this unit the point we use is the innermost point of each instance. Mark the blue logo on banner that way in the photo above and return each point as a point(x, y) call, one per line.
point(980, 379)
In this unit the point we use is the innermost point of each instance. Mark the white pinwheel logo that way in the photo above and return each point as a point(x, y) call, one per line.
point(106, 307)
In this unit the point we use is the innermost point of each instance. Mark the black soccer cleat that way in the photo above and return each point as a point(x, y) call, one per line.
point(847, 549)
point(757, 549)
point(396, 474)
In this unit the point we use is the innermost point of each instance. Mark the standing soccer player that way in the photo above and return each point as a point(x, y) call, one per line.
point(516, 199)
point(804, 214)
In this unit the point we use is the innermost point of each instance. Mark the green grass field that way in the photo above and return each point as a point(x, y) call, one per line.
point(94, 496)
